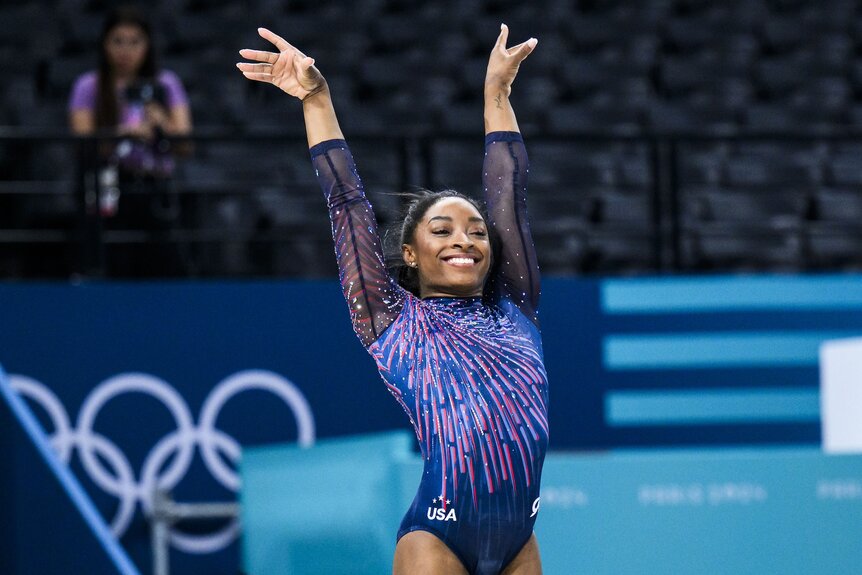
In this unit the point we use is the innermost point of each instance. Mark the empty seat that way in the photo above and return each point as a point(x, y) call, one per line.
point(591, 32)
point(687, 73)
point(379, 75)
point(561, 246)
point(560, 207)
point(839, 205)
point(267, 119)
point(569, 118)
point(195, 174)
point(341, 54)
point(681, 117)
point(629, 208)
point(544, 93)
point(628, 95)
point(769, 117)
point(831, 51)
point(585, 74)
point(741, 248)
point(562, 163)
point(462, 118)
point(700, 165)
point(730, 95)
point(446, 50)
point(17, 96)
point(45, 114)
point(284, 209)
point(686, 34)
point(830, 246)
point(642, 52)
point(470, 74)
point(846, 169)
point(622, 250)
point(822, 98)
point(190, 31)
point(855, 72)
point(456, 163)
point(737, 51)
point(18, 22)
point(777, 76)
point(769, 169)
point(62, 73)
point(81, 31)
point(776, 207)
point(394, 33)
point(783, 33)
point(377, 161)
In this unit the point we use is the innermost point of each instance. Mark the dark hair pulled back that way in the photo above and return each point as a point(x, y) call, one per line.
point(404, 230)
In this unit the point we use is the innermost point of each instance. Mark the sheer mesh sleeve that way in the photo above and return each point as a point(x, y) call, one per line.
point(374, 298)
point(505, 182)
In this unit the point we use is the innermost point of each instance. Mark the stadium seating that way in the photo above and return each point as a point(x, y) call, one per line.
point(662, 68)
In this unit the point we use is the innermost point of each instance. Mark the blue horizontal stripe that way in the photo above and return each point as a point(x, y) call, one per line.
point(679, 295)
point(726, 406)
point(715, 350)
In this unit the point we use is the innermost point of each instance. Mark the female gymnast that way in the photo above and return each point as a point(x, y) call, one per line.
point(454, 333)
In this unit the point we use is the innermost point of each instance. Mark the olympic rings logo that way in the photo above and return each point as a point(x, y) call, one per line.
point(119, 479)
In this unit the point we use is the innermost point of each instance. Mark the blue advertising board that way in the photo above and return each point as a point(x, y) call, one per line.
point(140, 386)
point(729, 511)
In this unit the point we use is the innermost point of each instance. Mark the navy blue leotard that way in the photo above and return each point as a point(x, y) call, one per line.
point(468, 371)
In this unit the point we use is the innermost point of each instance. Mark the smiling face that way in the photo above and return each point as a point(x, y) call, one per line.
point(450, 250)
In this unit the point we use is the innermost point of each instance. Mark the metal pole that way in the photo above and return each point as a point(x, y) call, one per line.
point(166, 512)
point(160, 535)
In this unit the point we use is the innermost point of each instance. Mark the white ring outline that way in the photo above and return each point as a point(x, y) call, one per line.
point(128, 498)
point(182, 441)
point(125, 383)
point(234, 384)
point(62, 439)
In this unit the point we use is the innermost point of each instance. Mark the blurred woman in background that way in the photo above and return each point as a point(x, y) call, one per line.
point(129, 97)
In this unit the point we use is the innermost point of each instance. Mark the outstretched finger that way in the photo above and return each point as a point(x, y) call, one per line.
point(246, 67)
point(258, 77)
point(259, 55)
point(502, 38)
point(523, 49)
point(279, 42)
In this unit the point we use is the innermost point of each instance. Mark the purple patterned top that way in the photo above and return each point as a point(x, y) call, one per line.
point(134, 156)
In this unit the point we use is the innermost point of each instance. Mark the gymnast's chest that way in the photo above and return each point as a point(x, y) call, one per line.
point(459, 355)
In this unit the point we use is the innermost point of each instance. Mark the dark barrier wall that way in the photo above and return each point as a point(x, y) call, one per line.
point(142, 385)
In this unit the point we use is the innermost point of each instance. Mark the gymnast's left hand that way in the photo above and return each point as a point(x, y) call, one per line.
point(504, 62)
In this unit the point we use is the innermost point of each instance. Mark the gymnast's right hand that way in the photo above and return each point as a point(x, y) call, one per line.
point(288, 69)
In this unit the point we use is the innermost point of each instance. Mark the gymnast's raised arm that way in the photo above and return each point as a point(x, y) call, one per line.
point(374, 298)
point(504, 177)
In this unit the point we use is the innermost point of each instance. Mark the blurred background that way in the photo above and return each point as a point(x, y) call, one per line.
point(696, 203)
point(666, 136)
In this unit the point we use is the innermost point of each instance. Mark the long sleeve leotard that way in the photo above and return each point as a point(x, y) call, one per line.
point(468, 372)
